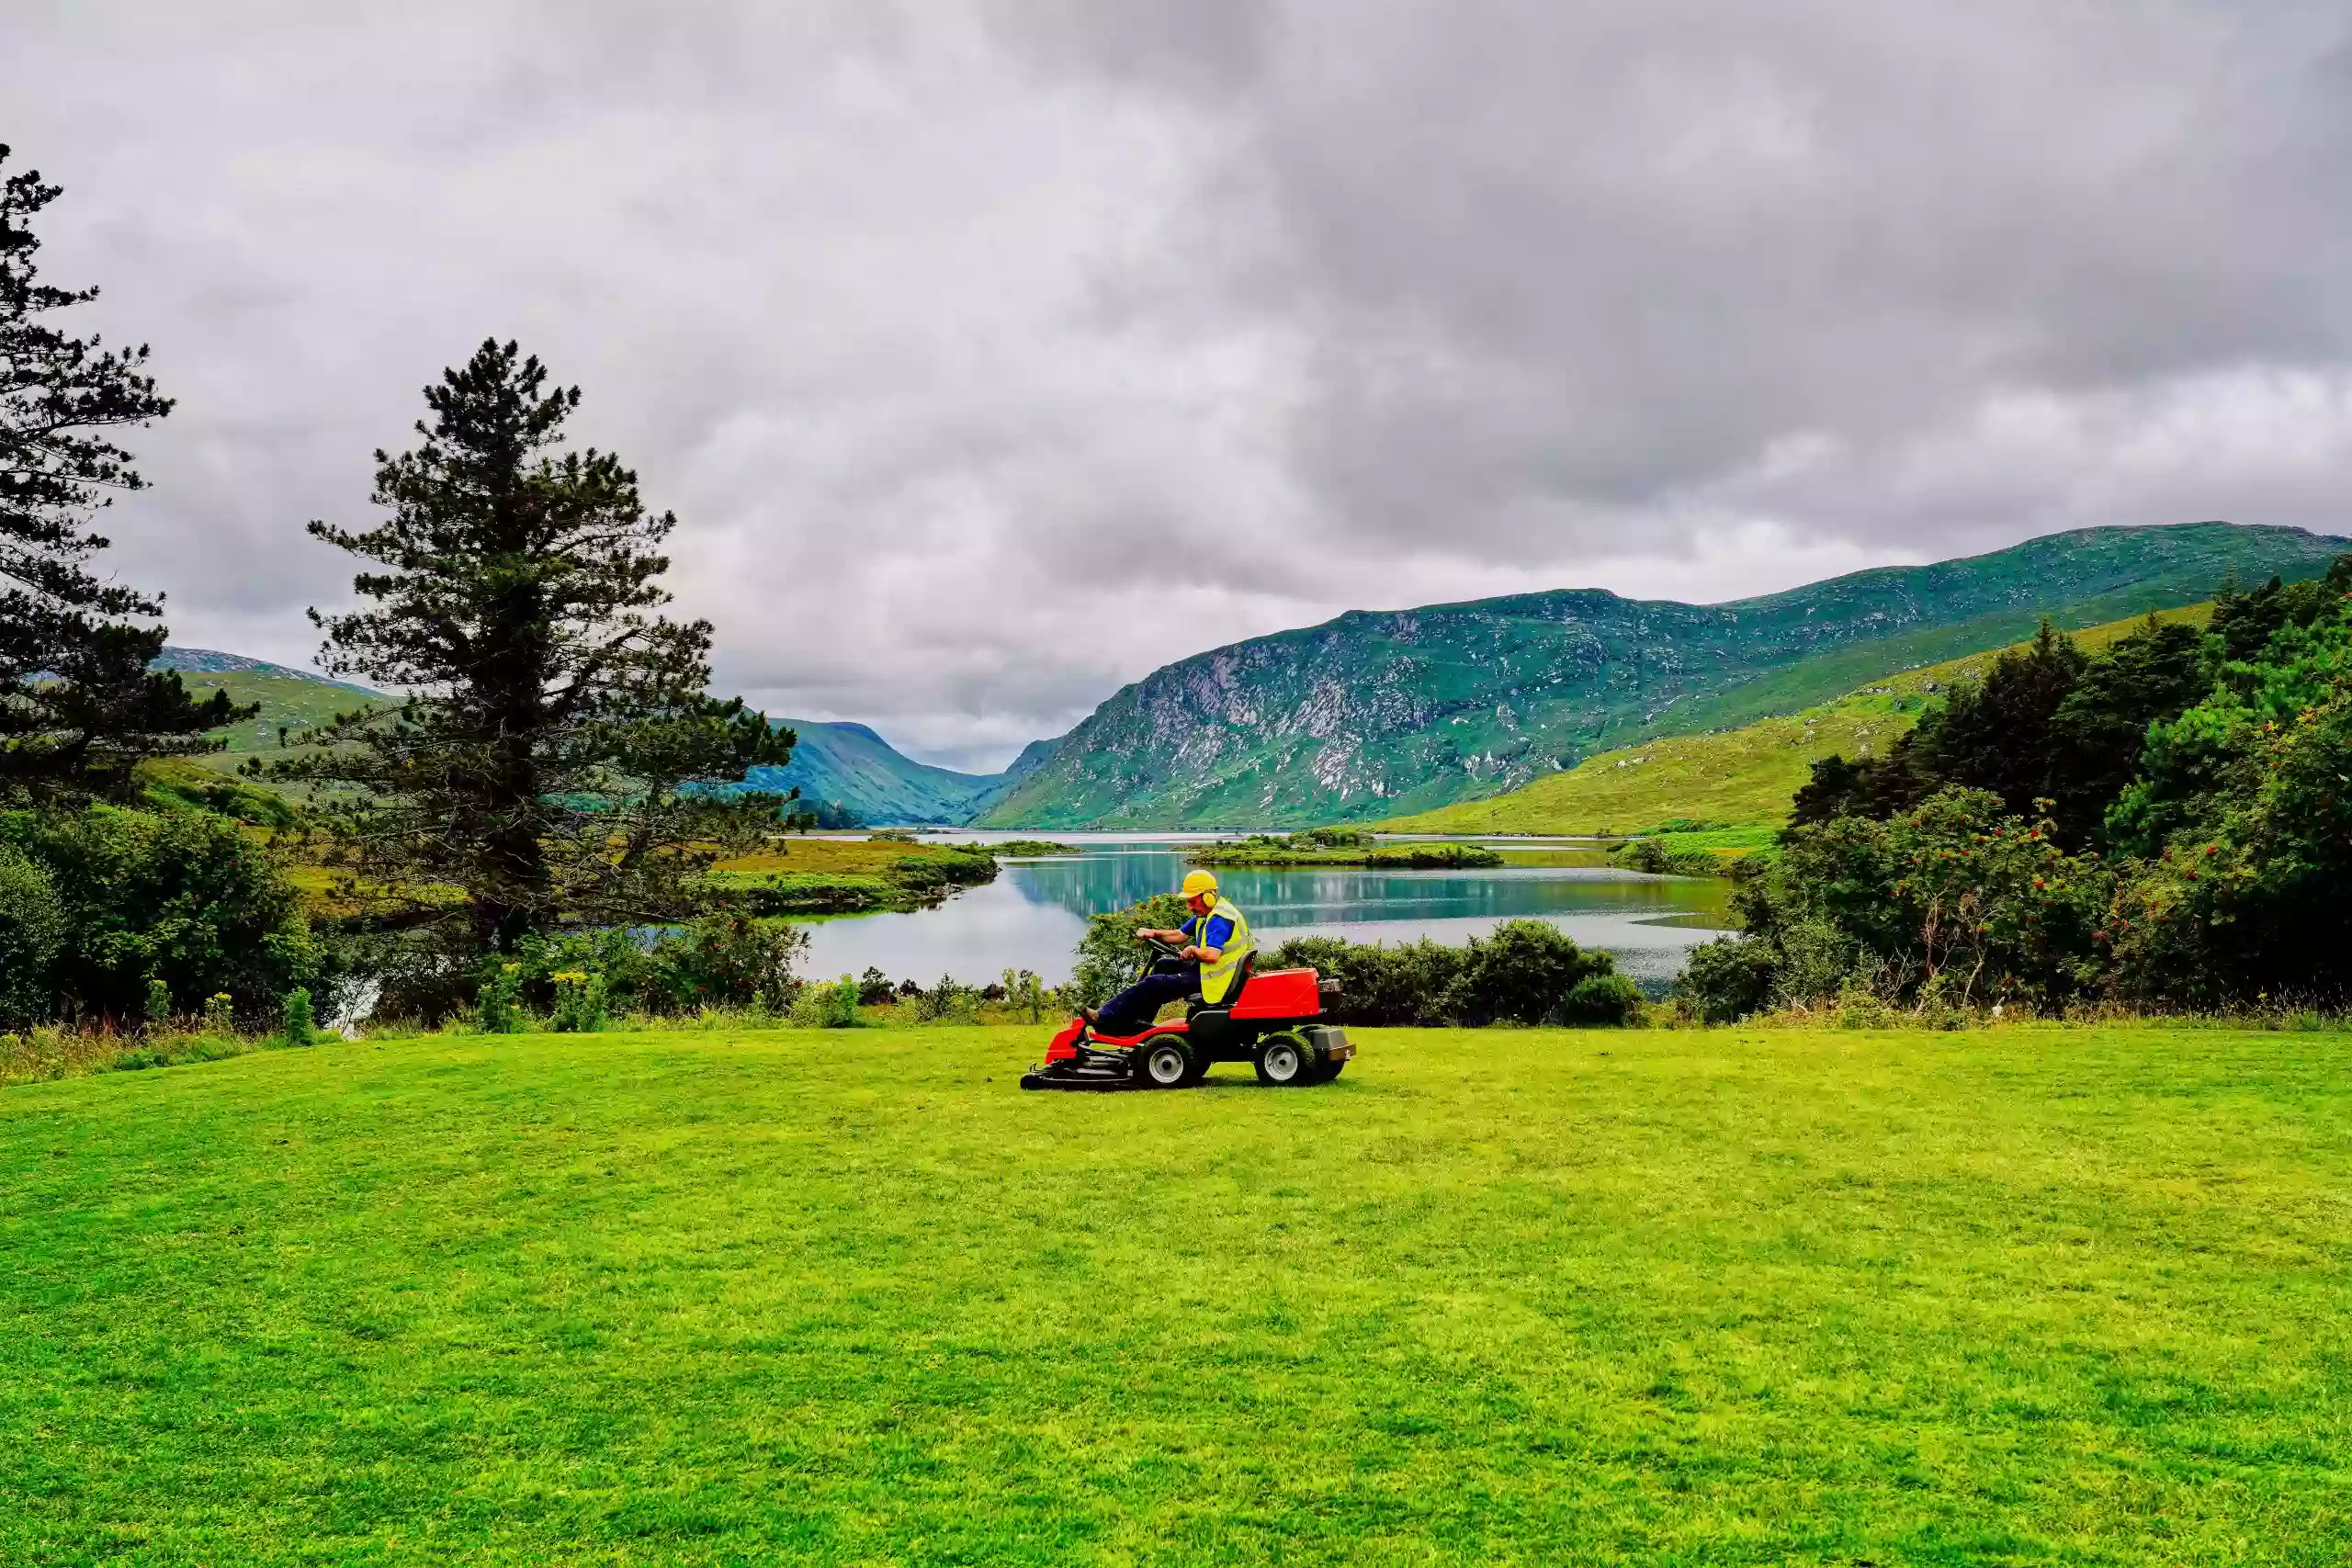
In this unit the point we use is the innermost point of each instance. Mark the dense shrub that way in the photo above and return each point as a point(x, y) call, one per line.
point(1524, 972)
point(1436, 857)
point(1025, 991)
point(32, 931)
point(1608, 998)
point(181, 896)
point(967, 865)
point(2245, 814)
point(1342, 846)
point(1726, 979)
point(948, 1002)
point(1652, 855)
point(725, 960)
point(1527, 972)
point(1956, 902)
point(580, 1003)
point(1407, 983)
point(296, 1024)
point(498, 1008)
point(827, 1004)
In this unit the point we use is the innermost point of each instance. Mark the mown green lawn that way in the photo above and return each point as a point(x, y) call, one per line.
point(2035, 1296)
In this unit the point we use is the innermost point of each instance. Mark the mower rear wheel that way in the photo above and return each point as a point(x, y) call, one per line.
point(1282, 1062)
point(1165, 1063)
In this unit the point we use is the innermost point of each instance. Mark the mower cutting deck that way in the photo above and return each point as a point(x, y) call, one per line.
point(1274, 1023)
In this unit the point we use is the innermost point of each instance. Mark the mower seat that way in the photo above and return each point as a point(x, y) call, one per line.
point(1198, 1003)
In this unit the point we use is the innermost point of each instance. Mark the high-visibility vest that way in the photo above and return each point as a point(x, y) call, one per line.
point(1217, 978)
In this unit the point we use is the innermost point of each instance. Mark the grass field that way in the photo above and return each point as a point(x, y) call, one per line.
point(2035, 1296)
point(1743, 775)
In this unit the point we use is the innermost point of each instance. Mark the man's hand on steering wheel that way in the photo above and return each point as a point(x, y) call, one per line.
point(1173, 941)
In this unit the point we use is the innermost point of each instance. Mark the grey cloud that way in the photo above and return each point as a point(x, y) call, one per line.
point(1597, 256)
point(992, 354)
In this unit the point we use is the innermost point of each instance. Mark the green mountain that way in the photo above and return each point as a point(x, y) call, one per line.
point(850, 766)
point(1743, 777)
point(290, 699)
point(1386, 714)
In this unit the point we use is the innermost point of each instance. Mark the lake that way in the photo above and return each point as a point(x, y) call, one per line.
point(1033, 914)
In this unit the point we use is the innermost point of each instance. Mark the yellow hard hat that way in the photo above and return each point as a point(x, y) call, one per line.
point(1198, 882)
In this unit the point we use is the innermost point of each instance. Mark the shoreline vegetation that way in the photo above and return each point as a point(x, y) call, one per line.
point(50, 1053)
point(852, 876)
point(1031, 849)
point(1342, 846)
point(1686, 848)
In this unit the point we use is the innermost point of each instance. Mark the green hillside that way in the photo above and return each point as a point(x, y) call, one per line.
point(290, 700)
point(850, 766)
point(1739, 776)
point(2059, 1296)
point(1391, 714)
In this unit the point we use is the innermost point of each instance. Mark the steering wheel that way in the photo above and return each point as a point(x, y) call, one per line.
point(1161, 949)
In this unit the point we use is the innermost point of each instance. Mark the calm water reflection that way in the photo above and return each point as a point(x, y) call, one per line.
point(1033, 914)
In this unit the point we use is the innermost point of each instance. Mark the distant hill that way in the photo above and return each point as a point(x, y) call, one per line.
point(1393, 712)
point(847, 764)
point(1736, 777)
point(290, 699)
point(853, 767)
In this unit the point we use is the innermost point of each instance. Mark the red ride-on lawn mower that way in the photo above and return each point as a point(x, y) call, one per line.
point(1272, 1021)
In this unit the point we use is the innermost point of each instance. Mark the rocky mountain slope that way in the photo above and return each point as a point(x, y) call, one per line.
point(1386, 714)
point(1748, 776)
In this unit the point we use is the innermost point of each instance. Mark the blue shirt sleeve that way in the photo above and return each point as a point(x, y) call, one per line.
point(1220, 933)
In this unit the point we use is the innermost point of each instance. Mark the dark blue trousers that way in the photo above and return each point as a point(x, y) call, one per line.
point(1132, 1010)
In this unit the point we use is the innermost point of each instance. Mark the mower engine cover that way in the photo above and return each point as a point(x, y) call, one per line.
point(1280, 993)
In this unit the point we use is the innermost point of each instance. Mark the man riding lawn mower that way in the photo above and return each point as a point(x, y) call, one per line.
point(1236, 1014)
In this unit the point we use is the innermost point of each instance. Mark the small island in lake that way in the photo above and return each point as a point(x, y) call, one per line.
point(1342, 846)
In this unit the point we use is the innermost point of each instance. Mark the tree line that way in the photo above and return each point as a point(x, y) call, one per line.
point(552, 761)
point(2167, 823)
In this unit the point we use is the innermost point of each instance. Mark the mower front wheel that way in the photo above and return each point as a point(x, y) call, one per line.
point(1165, 1063)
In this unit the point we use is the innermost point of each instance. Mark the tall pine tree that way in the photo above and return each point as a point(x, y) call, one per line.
point(78, 706)
point(549, 758)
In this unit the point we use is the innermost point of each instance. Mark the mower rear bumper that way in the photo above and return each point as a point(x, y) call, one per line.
point(1329, 1041)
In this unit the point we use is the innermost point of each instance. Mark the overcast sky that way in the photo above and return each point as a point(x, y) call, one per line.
point(993, 355)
